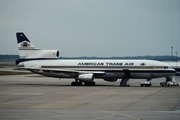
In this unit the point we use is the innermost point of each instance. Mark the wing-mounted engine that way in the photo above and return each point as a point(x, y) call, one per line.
point(86, 77)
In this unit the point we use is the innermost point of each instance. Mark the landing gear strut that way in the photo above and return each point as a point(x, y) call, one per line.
point(124, 82)
point(170, 81)
point(125, 79)
point(79, 83)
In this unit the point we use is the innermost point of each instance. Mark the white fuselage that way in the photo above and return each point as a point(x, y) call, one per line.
point(106, 69)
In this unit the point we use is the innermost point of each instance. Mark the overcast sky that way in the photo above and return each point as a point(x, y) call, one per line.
point(102, 28)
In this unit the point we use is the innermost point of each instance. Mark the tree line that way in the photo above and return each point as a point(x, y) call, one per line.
point(148, 57)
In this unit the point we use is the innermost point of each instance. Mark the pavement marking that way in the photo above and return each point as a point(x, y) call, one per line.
point(102, 118)
point(142, 98)
point(27, 93)
point(158, 89)
point(126, 115)
point(7, 103)
point(111, 115)
point(22, 93)
point(130, 116)
point(175, 107)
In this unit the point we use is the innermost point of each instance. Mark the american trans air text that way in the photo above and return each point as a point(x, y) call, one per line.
point(105, 64)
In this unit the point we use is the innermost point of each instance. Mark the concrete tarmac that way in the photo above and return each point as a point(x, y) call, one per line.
point(43, 98)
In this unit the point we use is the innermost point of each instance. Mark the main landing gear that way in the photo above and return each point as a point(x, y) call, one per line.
point(76, 83)
point(89, 83)
point(124, 82)
point(170, 81)
point(79, 83)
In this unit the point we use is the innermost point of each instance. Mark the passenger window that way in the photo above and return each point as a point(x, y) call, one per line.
point(165, 67)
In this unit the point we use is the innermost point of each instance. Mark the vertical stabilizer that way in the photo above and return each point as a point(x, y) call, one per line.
point(25, 47)
point(23, 42)
point(27, 51)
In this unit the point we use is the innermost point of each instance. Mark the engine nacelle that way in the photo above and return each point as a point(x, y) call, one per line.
point(86, 77)
point(37, 54)
point(111, 79)
point(42, 54)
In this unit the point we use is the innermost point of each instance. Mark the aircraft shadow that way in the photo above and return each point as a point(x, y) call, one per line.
point(69, 85)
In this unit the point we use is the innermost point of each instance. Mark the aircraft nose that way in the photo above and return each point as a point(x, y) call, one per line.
point(21, 64)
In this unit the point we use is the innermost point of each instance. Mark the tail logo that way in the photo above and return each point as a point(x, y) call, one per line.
point(25, 44)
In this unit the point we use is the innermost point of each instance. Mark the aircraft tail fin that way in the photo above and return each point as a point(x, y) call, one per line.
point(28, 52)
point(23, 42)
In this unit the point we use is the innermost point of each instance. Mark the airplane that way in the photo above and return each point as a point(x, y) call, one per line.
point(46, 62)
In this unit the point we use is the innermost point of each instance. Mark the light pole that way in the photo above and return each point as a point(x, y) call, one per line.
point(176, 57)
point(172, 53)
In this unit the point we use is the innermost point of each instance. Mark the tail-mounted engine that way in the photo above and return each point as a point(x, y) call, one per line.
point(43, 54)
point(37, 54)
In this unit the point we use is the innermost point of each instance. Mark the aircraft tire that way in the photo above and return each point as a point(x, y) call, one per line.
point(89, 83)
point(76, 83)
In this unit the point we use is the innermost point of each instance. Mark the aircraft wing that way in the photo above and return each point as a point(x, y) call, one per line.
point(62, 70)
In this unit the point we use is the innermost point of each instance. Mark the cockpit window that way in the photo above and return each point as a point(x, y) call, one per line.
point(165, 67)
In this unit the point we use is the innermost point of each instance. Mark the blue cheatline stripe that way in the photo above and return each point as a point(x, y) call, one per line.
point(134, 71)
